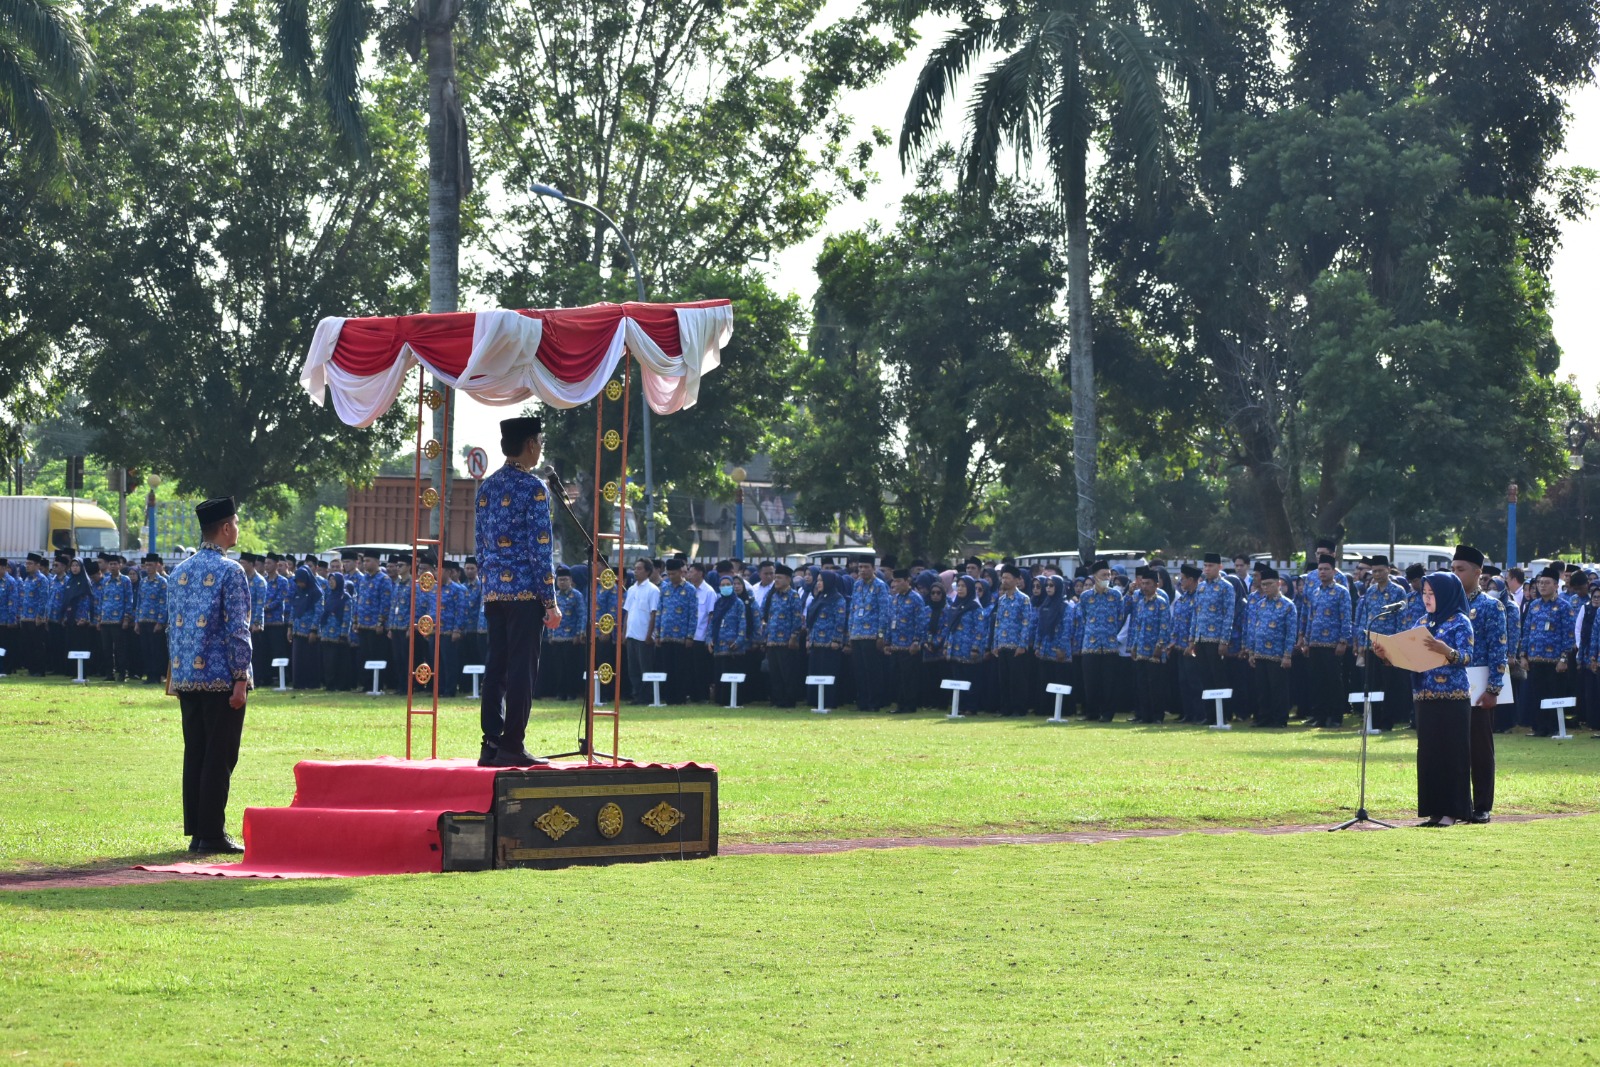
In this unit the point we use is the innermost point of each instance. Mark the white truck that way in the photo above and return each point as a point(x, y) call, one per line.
point(46, 523)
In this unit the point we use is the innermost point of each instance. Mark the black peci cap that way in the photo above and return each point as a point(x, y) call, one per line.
point(215, 510)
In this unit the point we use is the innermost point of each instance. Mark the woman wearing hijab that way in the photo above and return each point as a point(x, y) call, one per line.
point(827, 616)
point(305, 660)
point(1052, 645)
point(77, 608)
point(1439, 694)
point(933, 661)
point(730, 633)
point(966, 638)
point(332, 634)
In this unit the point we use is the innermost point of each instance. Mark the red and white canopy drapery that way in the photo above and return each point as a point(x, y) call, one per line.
point(563, 357)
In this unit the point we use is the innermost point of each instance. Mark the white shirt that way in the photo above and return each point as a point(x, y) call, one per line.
point(637, 608)
point(708, 600)
point(758, 593)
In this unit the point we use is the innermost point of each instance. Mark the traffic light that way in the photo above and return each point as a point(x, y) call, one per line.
point(74, 474)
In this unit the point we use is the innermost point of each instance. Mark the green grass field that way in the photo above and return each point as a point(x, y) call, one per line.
point(1468, 945)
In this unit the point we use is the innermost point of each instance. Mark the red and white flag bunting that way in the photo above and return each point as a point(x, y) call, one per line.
point(563, 357)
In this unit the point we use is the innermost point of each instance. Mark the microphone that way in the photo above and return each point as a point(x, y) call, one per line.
point(1391, 609)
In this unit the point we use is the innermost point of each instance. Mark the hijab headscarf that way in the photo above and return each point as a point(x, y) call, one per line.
point(338, 598)
point(77, 586)
point(962, 605)
point(948, 579)
point(830, 590)
point(1449, 598)
point(725, 603)
point(936, 607)
point(1053, 605)
point(306, 595)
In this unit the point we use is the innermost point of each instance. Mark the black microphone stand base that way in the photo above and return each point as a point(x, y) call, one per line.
point(1361, 817)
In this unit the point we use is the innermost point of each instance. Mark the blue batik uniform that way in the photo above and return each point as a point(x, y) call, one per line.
point(453, 619)
point(1058, 644)
point(113, 599)
point(1327, 615)
point(1513, 620)
point(513, 537)
point(400, 609)
point(731, 634)
point(574, 607)
point(830, 625)
point(1214, 603)
point(1547, 630)
point(1012, 617)
point(258, 601)
point(10, 601)
point(678, 613)
point(1369, 608)
point(785, 615)
point(373, 602)
point(908, 619)
point(1099, 620)
point(966, 634)
point(57, 599)
point(1413, 612)
point(333, 612)
point(276, 600)
point(1271, 627)
point(1488, 620)
point(303, 621)
point(1149, 626)
point(153, 600)
point(869, 610)
point(1181, 622)
point(208, 623)
point(35, 598)
point(1447, 682)
point(474, 610)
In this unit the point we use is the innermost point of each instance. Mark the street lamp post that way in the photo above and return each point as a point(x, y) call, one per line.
point(739, 475)
point(638, 280)
point(1577, 437)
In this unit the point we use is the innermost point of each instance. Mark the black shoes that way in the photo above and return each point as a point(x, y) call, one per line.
point(486, 753)
point(502, 758)
point(1480, 817)
point(211, 846)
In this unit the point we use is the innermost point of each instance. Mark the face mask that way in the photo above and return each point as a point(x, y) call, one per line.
point(1100, 585)
point(726, 590)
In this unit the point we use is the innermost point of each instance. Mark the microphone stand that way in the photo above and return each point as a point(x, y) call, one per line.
point(1366, 719)
point(596, 558)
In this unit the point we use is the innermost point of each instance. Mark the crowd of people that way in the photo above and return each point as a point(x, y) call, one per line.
point(1144, 644)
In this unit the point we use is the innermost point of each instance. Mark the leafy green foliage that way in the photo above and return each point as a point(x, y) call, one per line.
point(219, 230)
point(932, 367)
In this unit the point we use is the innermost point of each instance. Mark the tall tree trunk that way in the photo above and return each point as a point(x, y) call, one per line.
point(1080, 329)
point(446, 171)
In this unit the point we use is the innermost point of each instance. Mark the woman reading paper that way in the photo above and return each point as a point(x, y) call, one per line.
point(1444, 790)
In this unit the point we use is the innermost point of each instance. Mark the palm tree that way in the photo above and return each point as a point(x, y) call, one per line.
point(1069, 70)
point(45, 64)
point(426, 29)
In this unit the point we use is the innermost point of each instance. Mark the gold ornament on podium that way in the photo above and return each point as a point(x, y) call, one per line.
point(556, 822)
point(432, 449)
point(609, 821)
point(427, 581)
point(607, 624)
point(606, 673)
point(424, 674)
point(612, 440)
point(608, 579)
point(614, 390)
point(425, 626)
point(609, 491)
point(433, 398)
point(430, 497)
point(662, 818)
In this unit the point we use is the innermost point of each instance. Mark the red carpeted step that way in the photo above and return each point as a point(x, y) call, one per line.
point(390, 783)
point(341, 841)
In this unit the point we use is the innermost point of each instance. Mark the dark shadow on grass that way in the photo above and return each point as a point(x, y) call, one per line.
point(186, 895)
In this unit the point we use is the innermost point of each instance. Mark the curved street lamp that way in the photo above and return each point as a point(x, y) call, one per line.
point(555, 193)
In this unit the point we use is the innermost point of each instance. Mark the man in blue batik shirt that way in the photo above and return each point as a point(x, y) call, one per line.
point(1211, 629)
point(869, 630)
point(1488, 665)
point(908, 624)
point(519, 590)
point(208, 642)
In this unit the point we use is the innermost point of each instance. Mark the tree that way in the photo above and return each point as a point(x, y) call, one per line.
point(45, 67)
point(930, 371)
point(219, 230)
point(1366, 326)
point(1117, 70)
point(712, 133)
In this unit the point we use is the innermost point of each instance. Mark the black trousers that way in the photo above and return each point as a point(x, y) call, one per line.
point(906, 675)
point(1099, 685)
point(370, 645)
point(1013, 671)
point(305, 663)
point(1481, 744)
point(1271, 687)
point(35, 640)
point(1150, 687)
point(113, 651)
point(638, 657)
point(867, 668)
point(1444, 742)
point(1543, 684)
point(787, 668)
point(1327, 691)
point(672, 657)
point(730, 663)
point(828, 662)
point(154, 647)
point(1213, 669)
point(335, 665)
point(515, 627)
point(449, 666)
point(211, 733)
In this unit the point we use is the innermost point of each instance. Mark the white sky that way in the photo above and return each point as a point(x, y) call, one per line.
point(1576, 268)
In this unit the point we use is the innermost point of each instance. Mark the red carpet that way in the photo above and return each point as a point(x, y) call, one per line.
point(359, 817)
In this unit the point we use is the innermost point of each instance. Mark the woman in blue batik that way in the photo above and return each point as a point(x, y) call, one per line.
point(1052, 640)
point(933, 665)
point(966, 638)
point(826, 618)
point(1444, 783)
point(730, 630)
point(333, 635)
point(305, 660)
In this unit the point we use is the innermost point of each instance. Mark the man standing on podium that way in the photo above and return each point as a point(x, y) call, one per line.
point(519, 591)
